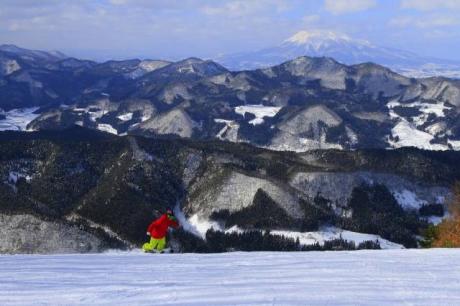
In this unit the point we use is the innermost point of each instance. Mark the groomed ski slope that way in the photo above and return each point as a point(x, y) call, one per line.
point(389, 277)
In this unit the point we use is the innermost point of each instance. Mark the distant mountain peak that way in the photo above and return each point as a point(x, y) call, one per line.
point(192, 60)
point(7, 46)
point(304, 37)
point(343, 48)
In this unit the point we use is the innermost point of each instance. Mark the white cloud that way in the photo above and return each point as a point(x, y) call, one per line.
point(430, 5)
point(169, 29)
point(439, 34)
point(434, 21)
point(310, 19)
point(348, 6)
point(118, 2)
point(244, 8)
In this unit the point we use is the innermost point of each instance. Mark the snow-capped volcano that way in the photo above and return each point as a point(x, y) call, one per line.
point(317, 38)
point(339, 46)
point(345, 49)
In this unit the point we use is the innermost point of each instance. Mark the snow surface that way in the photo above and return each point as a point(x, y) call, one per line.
point(409, 136)
point(317, 38)
point(125, 117)
point(408, 199)
point(391, 277)
point(93, 112)
point(435, 220)
point(427, 108)
point(14, 176)
point(18, 119)
point(96, 114)
point(258, 110)
point(107, 128)
point(455, 144)
point(229, 131)
point(197, 225)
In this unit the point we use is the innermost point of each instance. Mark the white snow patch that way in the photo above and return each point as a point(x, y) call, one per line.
point(440, 199)
point(331, 233)
point(125, 117)
point(150, 66)
point(10, 66)
point(303, 145)
point(391, 277)
point(409, 136)
point(435, 219)
point(107, 128)
point(95, 114)
point(426, 109)
point(223, 121)
point(229, 131)
point(309, 144)
point(146, 117)
point(195, 224)
point(14, 176)
point(351, 135)
point(455, 144)
point(200, 226)
point(319, 39)
point(436, 128)
point(18, 119)
point(430, 108)
point(258, 110)
point(408, 200)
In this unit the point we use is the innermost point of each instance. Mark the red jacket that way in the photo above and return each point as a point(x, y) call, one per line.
point(159, 227)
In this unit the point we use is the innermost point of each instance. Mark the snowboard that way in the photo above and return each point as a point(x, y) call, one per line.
point(165, 251)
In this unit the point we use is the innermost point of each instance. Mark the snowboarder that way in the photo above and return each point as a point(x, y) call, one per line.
point(157, 231)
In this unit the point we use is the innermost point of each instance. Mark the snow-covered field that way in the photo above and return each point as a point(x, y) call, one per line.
point(259, 111)
point(18, 119)
point(391, 277)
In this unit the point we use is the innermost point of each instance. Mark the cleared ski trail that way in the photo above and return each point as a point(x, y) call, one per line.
point(390, 277)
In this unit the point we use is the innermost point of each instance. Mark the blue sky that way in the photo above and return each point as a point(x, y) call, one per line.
point(173, 29)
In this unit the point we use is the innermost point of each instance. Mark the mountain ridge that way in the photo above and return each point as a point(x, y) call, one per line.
point(103, 190)
point(302, 104)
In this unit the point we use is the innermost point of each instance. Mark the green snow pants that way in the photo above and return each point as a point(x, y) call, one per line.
point(155, 244)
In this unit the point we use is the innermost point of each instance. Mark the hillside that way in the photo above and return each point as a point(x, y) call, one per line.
point(303, 104)
point(89, 191)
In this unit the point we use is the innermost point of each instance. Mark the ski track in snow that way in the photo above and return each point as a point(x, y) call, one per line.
point(391, 277)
